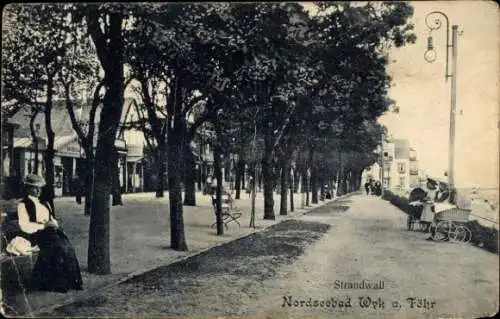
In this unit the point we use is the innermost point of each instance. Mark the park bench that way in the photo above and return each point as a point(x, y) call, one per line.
point(228, 212)
point(15, 270)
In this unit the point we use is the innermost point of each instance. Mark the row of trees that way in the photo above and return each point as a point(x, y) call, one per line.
point(276, 84)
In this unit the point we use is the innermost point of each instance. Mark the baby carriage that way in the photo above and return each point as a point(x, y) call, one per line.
point(449, 219)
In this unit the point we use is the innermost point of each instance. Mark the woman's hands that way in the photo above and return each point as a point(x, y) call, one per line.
point(52, 223)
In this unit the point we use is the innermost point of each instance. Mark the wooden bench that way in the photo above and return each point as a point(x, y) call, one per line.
point(228, 213)
point(15, 270)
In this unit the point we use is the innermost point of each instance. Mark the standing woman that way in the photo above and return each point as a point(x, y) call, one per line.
point(57, 267)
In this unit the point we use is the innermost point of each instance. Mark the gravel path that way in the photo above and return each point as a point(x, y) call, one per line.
point(286, 270)
point(369, 242)
point(220, 281)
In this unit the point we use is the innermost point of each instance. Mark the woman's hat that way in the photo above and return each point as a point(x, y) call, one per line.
point(34, 180)
point(432, 181)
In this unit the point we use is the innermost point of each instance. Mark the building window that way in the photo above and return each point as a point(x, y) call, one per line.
point(401, 181)
point(387, 182)
point(401, 168)
point(387, 167)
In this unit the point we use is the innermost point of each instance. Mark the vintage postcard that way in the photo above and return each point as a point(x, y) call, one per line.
point(253, 160)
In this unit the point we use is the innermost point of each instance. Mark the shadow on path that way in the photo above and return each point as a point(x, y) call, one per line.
point(219, 281)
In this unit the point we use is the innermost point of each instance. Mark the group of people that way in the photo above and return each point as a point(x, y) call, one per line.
point(373, 187)
point(37, 229)
point(436, 193)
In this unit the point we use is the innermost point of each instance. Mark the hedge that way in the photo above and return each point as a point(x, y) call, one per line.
point(482, 236)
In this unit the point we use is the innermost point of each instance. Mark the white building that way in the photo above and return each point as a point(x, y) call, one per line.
point(400, 166)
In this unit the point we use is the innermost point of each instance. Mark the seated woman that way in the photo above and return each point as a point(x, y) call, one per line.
point(57, 267)
point(427, 216)
point(443, 193)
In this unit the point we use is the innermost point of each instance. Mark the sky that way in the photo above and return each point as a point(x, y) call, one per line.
point(423, 95)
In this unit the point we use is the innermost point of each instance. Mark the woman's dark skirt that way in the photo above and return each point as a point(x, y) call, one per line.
point(57, 267)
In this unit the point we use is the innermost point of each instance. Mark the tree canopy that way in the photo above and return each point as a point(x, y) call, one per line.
point(305, 86)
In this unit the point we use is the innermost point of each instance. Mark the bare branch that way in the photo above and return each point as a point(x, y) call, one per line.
point(69, 106)
point(150, 108)
point(197, 123)
point(96, 101)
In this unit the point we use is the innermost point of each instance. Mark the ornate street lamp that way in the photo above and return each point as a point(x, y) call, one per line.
point(433, 20)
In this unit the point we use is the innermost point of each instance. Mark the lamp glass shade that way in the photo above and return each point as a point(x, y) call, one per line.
point(430, 45)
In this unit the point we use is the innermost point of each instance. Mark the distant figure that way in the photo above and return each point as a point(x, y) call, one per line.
point(208, 185)
point(77, 188)
point(367, 187)
point(250, 186)
point(372, 187)
point(377, 188)
point(328, 193)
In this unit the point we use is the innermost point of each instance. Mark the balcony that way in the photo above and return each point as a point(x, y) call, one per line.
point(413, 171)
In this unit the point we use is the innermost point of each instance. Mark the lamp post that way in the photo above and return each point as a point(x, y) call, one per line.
point(434, 22)
point(382, 165)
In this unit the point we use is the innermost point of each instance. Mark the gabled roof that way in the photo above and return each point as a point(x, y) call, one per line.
point(61, 122)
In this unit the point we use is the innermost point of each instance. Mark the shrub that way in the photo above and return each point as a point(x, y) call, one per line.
point(484, 237)
point(396, 200)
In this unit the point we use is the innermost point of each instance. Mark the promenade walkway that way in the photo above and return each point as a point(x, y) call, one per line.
point(324, 256)
point(140, 239)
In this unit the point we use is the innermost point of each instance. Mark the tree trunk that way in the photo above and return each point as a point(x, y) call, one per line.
point(218, 177)
point(346, 184)
point(322, 191)
point(240, 168)
point(160, 169)
point(177, 237)
point(49, 152)
point(301, 173)
point(116, 191)
point(34, 138)
point(305, 186)
point(296, 179)
point(243, 173)
point(89, 180)
point(111, 58)
point(175, 139)
point(285, 171)
point(104, 168)
point(259, 177)
point(252, 186)
point(314, 186)
point(268, 180)
point(189, 177)
point(292, 188)
point(342, 184)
